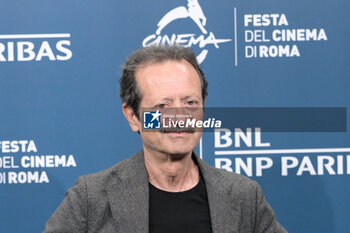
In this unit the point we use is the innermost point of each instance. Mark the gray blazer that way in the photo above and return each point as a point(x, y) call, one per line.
point(116, 200)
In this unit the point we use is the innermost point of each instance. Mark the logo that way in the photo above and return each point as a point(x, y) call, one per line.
point(193, 12)
point(171, 122)
point(151, 120)
point(35, 47)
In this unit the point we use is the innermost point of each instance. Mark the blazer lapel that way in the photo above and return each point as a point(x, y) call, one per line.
point(128, 195)
point(224, 207)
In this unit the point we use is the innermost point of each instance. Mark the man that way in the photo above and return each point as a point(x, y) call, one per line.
point(164, 187)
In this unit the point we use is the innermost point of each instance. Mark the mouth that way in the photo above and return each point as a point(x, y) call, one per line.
point(177, 131)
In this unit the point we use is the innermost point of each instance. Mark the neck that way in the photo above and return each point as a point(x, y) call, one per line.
point(172, 173)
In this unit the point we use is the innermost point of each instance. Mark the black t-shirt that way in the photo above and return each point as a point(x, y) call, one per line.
point(179, 212)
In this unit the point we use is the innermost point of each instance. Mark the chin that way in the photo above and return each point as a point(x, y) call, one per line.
point(177, 156)
point(180, 149)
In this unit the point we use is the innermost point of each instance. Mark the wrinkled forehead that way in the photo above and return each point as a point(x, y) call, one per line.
point(168, 77)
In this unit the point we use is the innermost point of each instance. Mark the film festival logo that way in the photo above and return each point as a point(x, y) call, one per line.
point(195, 13)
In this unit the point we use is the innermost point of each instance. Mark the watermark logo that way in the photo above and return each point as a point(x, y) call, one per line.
point(178, 120)
point(151, 119)
point(193, 12)
point(269, 119)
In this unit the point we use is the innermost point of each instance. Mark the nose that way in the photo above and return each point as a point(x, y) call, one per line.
point(177, 104)
point(178, 109)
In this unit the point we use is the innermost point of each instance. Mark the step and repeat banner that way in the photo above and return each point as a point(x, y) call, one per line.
point(61, 113)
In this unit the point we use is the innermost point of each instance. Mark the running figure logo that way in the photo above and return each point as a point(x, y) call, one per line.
point(194, 12)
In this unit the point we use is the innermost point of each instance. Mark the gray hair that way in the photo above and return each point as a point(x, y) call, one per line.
point(129, 91)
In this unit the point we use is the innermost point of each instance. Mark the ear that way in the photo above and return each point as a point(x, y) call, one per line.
point(131, 117)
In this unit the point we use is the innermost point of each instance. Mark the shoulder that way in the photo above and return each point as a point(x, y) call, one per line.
point(235, 179)
point(226, 178)
point(130, 167)
point(88, 199)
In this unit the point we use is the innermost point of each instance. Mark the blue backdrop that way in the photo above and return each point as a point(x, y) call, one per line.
point(61, 114)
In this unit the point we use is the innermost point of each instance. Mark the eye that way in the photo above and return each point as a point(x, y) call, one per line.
point(161, 106)
point(192, 102)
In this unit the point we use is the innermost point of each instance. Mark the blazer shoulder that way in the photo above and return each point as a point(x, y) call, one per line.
point(233, 177)
point(129, 167)
point(226, 178)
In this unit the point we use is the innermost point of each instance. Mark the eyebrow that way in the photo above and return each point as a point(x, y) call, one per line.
point(184, 98)
point(189, 96)
point(167, 99)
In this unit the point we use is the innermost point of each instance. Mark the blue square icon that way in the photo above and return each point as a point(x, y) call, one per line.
point(151, 120)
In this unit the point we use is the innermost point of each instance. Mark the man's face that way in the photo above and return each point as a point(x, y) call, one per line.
point(171, 84)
